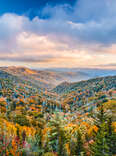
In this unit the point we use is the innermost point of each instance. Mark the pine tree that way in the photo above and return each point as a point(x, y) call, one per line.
point(56, 136)
point(79, 150)
point(111, 138)
point(38, 137)
point(100, 146)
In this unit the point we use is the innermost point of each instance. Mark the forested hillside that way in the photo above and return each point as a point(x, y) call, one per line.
point(46, 79)
point(73, 119)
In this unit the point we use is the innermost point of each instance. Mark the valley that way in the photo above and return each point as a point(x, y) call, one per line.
point(42, 113)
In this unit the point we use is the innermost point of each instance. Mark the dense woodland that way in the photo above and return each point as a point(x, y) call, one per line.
point(73, 119)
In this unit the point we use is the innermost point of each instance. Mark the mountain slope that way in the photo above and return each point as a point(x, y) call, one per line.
point(45, 79)
point(93, 84)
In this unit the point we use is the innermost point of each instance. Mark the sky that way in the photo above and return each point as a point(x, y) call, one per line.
point(58, 33)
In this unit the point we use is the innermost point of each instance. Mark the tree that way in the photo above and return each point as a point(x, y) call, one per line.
point(100, 146)
point(57, 136)
point(12, 105)
point(38, 142)
point(79, 150)
point(111, 137)
point(21, 120)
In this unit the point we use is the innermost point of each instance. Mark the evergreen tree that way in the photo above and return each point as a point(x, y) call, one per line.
point(57, 136)
point(38, 137)
point(79, 150)
point(12, 105)
point(100, 146)
point(111, 138)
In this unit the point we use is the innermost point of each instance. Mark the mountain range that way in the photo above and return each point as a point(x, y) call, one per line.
point(50, 78)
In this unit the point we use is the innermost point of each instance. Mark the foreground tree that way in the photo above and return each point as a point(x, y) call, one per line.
point(111, 137)
point(100, 146)
point(79, 149)
point(57, 136)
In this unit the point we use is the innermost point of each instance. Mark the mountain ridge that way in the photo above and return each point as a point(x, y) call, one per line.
point(44, 78)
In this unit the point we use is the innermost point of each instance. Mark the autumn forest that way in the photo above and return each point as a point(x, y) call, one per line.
point(72, 119)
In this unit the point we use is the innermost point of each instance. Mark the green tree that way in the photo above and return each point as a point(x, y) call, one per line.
point(21, 120)
point(57, 136)
point(79, 149)
point(100, 146)
point(111, 138)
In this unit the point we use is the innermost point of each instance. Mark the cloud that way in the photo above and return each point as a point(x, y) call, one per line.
point(109, 65)
point(80, 32)
point(85, 21)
